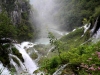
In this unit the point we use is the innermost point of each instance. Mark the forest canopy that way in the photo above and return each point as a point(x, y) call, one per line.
point(72, 12)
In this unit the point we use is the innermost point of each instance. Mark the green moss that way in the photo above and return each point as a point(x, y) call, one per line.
point(75, 38)
point(73, 51)
point(73, 35)
point(34, 56)
point(42, 49)
point(15, 60)
point(6, 46)
point(16, 52)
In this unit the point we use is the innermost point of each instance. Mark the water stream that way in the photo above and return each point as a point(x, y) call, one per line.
point(43, 17)
point(30, 64)
point(22, 67)
point(59, 71)
point(4, 70)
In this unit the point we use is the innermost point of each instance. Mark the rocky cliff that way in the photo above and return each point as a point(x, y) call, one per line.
point(16, 9)
point(18, 12)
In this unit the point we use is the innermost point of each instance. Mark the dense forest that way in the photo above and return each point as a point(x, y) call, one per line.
point(71, 13)
point(78, 50)
point(14, 20)
point(15, 27)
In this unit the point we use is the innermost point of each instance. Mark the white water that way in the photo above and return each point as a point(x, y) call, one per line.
point(22, 66)
point(86, 27)
point(59, 71)
point(50, 50)
point(96, 36)
point(28, 62)
point(15, 66)
point(4, 70)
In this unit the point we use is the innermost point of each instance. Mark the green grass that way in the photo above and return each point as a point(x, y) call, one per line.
point(73, 51)
point(74, 38)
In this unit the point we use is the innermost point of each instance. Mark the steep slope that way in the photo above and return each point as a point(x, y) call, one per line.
point(79, 50)
point(18, 11)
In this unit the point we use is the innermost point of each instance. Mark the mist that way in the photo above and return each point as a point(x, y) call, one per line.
point(44, 12)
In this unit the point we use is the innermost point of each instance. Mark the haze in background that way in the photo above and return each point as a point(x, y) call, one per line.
point(44, 12)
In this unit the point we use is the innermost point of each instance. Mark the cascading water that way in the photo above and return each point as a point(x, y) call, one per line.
point(96, 37)
point(15, 66)
point(4, 70)
point(28, 62)
point(43, 13)
point(22, 66)
point(59, 71)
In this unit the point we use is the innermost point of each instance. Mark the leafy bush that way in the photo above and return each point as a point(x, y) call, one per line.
point(97, 12)
point(7, 29)
point(76, 54)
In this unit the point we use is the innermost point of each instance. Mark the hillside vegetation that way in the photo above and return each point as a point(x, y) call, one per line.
point(82, 57)
point(71, 13)
point(14, 20)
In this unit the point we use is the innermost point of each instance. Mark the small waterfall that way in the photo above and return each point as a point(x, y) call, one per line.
point(95, 31)
point(15, 65)
point(39, 56)
point(21, 64)
point(96, 37)
point(4, 70)
point(28, 62)
point(86, 27)
point(59, 71)
point(50, 50)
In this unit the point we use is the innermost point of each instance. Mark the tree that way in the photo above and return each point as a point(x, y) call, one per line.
point(57, 43)
point(7, 29)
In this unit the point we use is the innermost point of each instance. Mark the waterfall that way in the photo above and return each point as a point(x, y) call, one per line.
point(21, 64)
point(96, 37)
point(95, 31)
point(59, 71)
point(44, 14)
point(15, 66)
point(4, 70)
point(28, 62)
point(50, 50)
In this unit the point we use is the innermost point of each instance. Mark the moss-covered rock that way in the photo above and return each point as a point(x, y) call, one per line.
point(34, 56)
point(17, 53)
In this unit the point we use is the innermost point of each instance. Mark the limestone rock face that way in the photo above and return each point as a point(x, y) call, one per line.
point(15, 9)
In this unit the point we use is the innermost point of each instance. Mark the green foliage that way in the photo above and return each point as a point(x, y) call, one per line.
point(72, 12)
point(97, 12)
point(16, 52)
point(83, 60)
point(34, 56)
point(4, 54)
point(74, 39)
point(42, 49)
point(71, 50)
point(25, 31)
point(24, 16)
point(23, 27)
point(85, 21)
point(12, 71)
point(50, 65)
point(59, 45)
point(8, 5)
point(54, 63)
point(7, 30)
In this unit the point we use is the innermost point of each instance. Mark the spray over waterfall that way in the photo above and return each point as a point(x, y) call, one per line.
point(28, 62)
point(44, 12)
